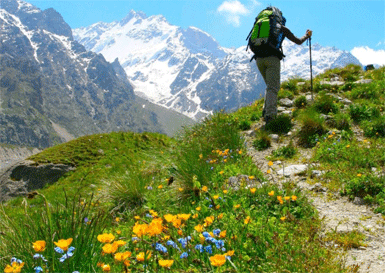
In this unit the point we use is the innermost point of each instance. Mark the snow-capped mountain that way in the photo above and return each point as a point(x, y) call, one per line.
point(187, 70)
point(52, 89)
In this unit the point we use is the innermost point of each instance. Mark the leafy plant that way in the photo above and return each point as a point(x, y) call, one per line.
point(312, 127)
point(280, 125)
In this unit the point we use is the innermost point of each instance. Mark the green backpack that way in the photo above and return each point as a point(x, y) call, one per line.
point(267, 32)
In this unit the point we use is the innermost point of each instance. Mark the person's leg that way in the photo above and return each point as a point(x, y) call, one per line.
point(262, 67)
point(272, 80)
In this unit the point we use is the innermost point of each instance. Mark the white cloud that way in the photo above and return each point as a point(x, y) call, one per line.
point(367, 55)
point(233, 10)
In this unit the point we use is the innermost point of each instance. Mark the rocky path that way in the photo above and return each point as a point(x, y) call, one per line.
point(338, 212)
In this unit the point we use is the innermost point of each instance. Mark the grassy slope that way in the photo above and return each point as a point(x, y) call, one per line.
point(125, 175)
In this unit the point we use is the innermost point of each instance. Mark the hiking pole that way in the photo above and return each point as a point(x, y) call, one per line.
point(309, 32)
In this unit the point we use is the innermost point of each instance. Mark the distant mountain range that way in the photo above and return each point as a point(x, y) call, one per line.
point(52, 89)
point(187, 70)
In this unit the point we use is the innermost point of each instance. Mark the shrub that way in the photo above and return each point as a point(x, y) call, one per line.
point(366, 91)
point(244, 125)
point(300, 102)
point(312, 126)
point(283, 93)
point(360, 112)
point(325, 104)
point(341, 121)
point(281, 124)
point(374, 128)
point(287, 151)
point(262, 142)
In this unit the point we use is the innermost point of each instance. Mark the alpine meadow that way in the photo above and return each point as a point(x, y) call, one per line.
point(213, 198)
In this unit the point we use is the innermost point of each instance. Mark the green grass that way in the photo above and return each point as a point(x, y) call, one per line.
point(168, 192)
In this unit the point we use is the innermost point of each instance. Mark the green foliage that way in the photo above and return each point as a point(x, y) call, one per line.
point(287, 151)
point(284, 93)
point(312, 127)
point(74, 219)
point(346, 240)
point(366, 185)
point(291, 85)
point(325, 104)
point(244, 125)
point(370, 91)
point(375, 127)
point(300, 102)
point(280, 125)
point(340, 121)
point(262, 141)
point(360, 111)
point(349, 73)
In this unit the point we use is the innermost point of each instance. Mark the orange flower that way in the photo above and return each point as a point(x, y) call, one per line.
point(247, 220)
point(64, 244)
point(270, 163)
point(293, 198)
point(217, 260)
point(140, 257)
point(122, 256)
point(184, 216)
point(222, 234)
point(166, 263)
point(39, 246)
point(199, 228)
point(106, 268)
point(271, 193)
point(110, 248)
point(253, 190)
point(204, 188)
point(287, 198)
point(106, 238)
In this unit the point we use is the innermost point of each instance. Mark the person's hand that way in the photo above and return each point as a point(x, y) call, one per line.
point(309, 33)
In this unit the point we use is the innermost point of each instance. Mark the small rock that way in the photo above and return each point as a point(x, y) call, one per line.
point(358, 201)
point(316, 173)
point(100, 151)
point(374, 169)
point(301, 83)
point(286, 102)
point(274, 137)
point(287, 112)
point(363, 81)
point(317, 188)
point(281, 109)
point(346, 101)
point(292, 170)
point(338, 83)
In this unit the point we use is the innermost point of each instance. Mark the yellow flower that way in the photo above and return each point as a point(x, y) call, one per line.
point(359, 175)
point(247, 220)
point(208, 221)
point(118, 232)
point(347, 146)
point(240, 152)
point(169, 217)
point(155, 227)
point(180, 232)
point(64, 244)
point(293, 197)
point(229, 253)
point(283, 218)
point(220, 216)
point(106, 238)
point(253, 190)
point(140, 230)
point(184, 216)
point(199, 228)
point(217, 206)
point(200, 156)
point(279, 198)
point(270, 163)
point(222, 234)
point(268, 171)
point(216, 196)
point(204, 188)
point(110, 248)
point(15, 267)
point(180, 189)
point(225, 191)
point(39, 246)
point(221, 172)
point(122, 256)
point(198, 208)
point(217, 260)
point(140, 257)
point(137, 217)
point(160, 187)
point(117, 219)
point(195, 216)
point(237, 206)
point(106, 268)
point(166, 263)
point(153, 213)
point(120, 243)
point(287, 198)
point(271, 193)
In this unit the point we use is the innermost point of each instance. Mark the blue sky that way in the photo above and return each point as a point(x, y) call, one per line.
point(347, 25)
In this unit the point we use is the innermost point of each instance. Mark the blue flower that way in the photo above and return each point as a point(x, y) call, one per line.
point(183, 242)
point(37, 256)
point(161, 248)
point(38, 269)
point(219, 244)
point(199, 247)
point(184, 255)
point(59, 250)
point(216, 231)
point(209, 249)
point(206, 234)
point(172, 243)
point(135, 239)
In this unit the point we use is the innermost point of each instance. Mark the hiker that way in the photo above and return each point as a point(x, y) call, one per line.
point(267, 48)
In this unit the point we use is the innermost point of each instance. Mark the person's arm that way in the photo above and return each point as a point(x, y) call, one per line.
point(292, 37)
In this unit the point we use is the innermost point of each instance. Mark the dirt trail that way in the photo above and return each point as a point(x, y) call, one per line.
point(338, 212)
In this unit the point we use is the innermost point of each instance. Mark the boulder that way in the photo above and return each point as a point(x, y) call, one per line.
point(26, 176)
point(286, 102)
point(293, 170)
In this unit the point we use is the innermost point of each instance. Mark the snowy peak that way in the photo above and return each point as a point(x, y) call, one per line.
point(137, 16)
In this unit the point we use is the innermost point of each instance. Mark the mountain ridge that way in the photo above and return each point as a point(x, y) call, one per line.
point(187, 70)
